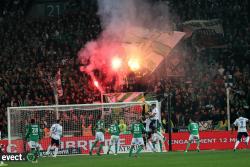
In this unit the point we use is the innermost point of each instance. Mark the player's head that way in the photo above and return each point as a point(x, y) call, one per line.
point(138, 120)
point(100, 117)
point(153, 106)
point(59, 121)
point(32, 121)
point(146, 115)
point(191, 119)
point(241, 113)
point(121, 121)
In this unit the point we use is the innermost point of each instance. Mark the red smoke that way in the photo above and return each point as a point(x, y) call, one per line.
point(105, 56)
point(118, 18)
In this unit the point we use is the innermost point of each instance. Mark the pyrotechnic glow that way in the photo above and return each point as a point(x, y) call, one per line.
point(125, 44)
point(116, 63)
point(81, 68)
point(134, 64)
point(96, 83)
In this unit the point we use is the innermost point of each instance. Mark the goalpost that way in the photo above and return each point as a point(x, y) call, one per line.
point(78, 123)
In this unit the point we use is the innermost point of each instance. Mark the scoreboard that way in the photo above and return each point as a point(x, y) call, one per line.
point(52, 8)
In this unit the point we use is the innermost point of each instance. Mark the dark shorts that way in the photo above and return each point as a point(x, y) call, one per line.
point(148, 135)
point(240, 134)
point(55, 142)
point(154, 124)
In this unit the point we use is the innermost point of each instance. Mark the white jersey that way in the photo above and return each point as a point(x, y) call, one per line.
point(56, 131)
point(157, 114)
point(147, 122)
point(241, 123)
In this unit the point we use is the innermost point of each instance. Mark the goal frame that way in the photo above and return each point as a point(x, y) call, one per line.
point(56, 109)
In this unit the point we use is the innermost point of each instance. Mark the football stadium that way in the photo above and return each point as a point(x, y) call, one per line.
point(125, 83)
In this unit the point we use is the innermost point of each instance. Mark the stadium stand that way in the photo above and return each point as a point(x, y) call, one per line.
point(33, 48)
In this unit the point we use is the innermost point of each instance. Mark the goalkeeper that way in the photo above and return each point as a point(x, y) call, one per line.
point(122, 126)
point(114, 130)
point(33, 134)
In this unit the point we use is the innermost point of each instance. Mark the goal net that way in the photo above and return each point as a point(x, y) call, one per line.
point(78, 123)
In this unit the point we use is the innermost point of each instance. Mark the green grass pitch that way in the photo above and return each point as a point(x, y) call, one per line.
point(228, 158)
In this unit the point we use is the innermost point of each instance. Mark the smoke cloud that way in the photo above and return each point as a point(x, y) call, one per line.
point(118, 18)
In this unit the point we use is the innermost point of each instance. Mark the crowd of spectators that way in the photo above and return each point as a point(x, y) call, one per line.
point(33, 49)
point(202, 92)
